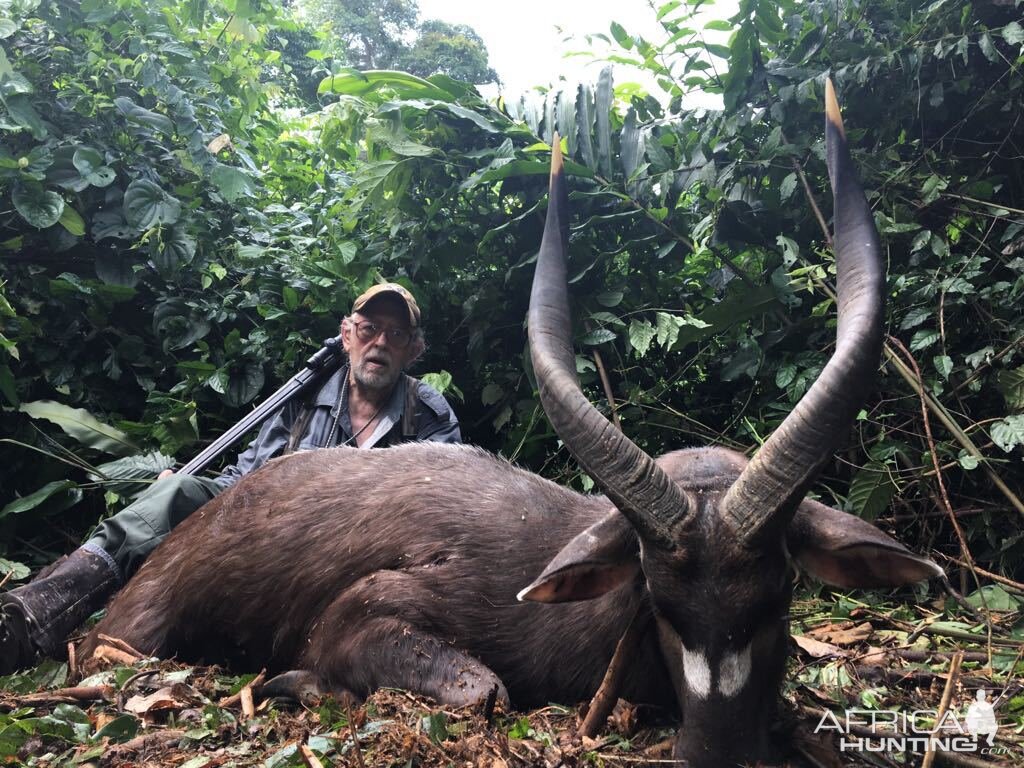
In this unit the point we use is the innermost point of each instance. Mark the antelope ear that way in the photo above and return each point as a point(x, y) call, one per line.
point(604, 556)
point(844, 551)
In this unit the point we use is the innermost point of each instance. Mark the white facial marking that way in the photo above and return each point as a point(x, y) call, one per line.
point(733, 671)
point(697, 673)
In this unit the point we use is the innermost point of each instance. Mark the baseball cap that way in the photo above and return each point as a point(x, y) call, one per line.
point(393, 288)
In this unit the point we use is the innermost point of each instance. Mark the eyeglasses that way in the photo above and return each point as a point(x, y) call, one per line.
point(367, 331)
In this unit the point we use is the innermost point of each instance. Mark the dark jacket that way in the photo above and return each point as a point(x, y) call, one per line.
point(303, 426)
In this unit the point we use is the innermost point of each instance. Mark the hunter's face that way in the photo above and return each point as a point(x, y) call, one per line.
point(380, 343)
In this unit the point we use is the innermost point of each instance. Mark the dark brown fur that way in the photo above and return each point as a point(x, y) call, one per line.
point(400, 567)
point(319, 558)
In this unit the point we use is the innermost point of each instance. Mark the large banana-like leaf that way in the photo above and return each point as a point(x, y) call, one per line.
point(603, 126)
point(82, 426)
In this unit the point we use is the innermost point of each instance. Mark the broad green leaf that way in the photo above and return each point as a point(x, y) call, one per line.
point(146, 205)
point(1013, 33)
point(525, 168)
point(641, 333)
point(115, 269)
point(142, 466)
point(72, 221)
point(598, 336)
point(33, 500)
point(585, 123)
point(492, 394)
point(143, 116)
point(746, 361)
point(993, 597)
point(244, 384)
point(8, 386)
point(988, 48)
point(468, 114)
point(943, 364)
point(741, 304)
point(1011, 385)
point(932, 188)
point(967, 460)
point(443, 382)
point(355, 83)
point(18, 571)
point(177, 248)
point(785, 375)
point(239, 28)
point(870, 491)
point(20, 108)
point(915, 317)
point(567, 119)
point(231, 182)
point(621, 36)
point(667, 8)
point(40, 207)
point(436, 726)
point(123, 475)
point(787, 187)
point(82, 426)
point(606, 318)
point(89, 163)
point(923, 338)
point(668, 328)
point(631, 147)
point(603, 105)
point(1008, 433)
point(119, 729)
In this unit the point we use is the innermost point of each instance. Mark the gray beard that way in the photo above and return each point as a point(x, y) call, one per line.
point(378, 381)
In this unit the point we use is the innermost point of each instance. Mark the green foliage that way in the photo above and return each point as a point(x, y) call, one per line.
point(175, 245)
point(370, 32)
point(376, 34)
point(448, 49)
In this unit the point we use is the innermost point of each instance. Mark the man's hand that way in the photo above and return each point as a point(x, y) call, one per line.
point(165, 473)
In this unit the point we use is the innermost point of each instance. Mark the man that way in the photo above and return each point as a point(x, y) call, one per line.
point(367, 403)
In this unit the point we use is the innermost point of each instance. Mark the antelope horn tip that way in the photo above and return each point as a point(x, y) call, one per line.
point(556, 154)
point(832, 113)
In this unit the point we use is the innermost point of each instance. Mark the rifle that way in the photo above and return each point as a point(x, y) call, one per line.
point(321, 365)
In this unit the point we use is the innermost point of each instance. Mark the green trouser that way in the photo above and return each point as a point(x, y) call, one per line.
point(127, 538)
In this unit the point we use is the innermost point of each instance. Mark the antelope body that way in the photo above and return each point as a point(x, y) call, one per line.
point(401, 567)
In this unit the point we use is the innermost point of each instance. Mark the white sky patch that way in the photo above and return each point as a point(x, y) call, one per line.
point(527, 41)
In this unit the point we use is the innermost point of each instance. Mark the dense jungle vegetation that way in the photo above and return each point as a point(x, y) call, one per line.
point(192, 192)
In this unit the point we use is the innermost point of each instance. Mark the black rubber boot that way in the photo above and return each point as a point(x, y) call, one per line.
point(36, 619)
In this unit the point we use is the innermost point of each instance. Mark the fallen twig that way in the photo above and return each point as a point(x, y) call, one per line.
point(114, 655)
point(72, 662)
point(908, 654)
point(999, 579)
point(248, 707)
point(236, 698)
point(604, 700)
point(309, 758)
point(119, 643)
point(947, 697)
point(67, 695)
point(355, 735)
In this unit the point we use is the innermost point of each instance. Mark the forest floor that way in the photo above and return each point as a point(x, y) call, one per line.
point(855, 667)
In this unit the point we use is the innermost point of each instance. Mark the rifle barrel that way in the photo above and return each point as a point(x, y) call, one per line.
point(321, 365)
